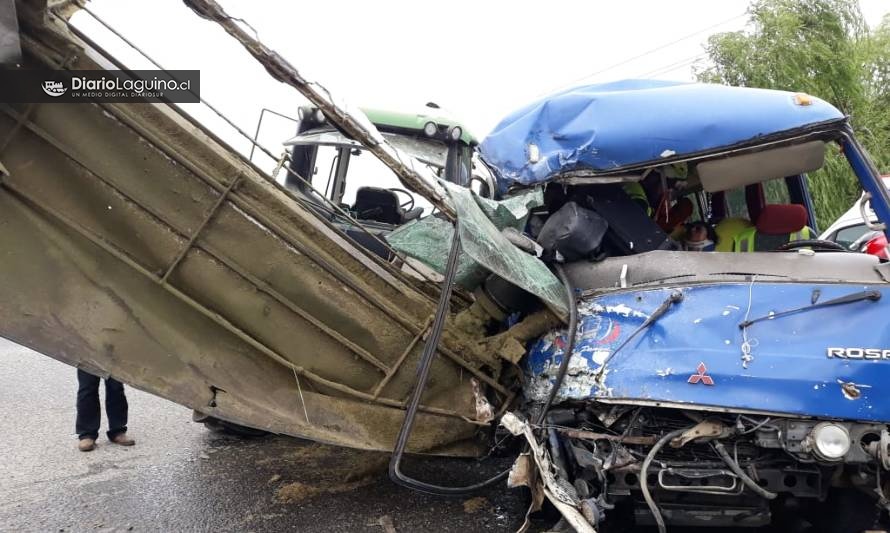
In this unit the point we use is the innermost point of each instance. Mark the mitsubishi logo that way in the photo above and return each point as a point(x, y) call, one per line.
point(700, 375)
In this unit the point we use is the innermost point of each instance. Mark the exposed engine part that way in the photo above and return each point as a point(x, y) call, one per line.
point(705, 469)
point(712, 515)
point(644, 477)
point(705, 428)
point(880, 449)
point(555, 491)
point(737, 470)
point(719, 481)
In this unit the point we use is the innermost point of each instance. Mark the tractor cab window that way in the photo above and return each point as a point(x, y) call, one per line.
point(345, 174)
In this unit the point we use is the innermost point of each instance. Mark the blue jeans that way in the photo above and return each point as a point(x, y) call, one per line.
point(89, 413)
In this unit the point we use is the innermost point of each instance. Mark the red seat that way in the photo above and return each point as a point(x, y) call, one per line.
point(781, 219)
point(777, 224)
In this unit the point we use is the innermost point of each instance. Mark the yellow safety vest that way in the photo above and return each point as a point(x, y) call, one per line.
point(744, 241)
point(638, 194)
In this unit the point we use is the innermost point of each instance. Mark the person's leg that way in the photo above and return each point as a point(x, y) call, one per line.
point(89, 414)
point(115, 408)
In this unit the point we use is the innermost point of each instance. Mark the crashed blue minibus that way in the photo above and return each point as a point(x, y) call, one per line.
point(731, 388)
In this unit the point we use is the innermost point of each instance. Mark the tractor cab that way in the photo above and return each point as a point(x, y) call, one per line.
point(348, 185)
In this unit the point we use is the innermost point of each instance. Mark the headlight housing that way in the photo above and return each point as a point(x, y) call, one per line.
point(830, 441)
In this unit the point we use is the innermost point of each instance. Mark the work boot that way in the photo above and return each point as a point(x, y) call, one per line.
point(86, 445)
point(122, 439)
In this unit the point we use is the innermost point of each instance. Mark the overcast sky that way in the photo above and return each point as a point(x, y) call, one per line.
point(478, 59)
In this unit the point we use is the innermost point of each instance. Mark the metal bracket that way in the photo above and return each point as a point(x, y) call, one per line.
point(395, 368)
point(207, 218)
point(864, 204)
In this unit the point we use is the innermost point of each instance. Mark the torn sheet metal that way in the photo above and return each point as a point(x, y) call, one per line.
point(561, 495)
point(485, 248)
point(810, 363)
point(588, 129)
point(429, 239)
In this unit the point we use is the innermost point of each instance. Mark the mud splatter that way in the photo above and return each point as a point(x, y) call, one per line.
point(474, 505)
point(297, 491)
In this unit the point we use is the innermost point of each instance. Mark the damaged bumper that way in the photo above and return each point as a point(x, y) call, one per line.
point(710, 416)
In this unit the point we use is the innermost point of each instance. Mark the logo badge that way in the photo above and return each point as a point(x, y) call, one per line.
point(858, 353)
point(701, 376)
point(54, 88)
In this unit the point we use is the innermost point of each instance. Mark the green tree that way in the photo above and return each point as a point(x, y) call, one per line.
point(824, 48)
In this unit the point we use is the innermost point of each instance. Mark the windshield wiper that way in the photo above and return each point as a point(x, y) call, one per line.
point(871, 295)
point(673, 298)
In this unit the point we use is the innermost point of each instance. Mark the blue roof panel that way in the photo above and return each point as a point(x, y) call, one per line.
point(606, 127)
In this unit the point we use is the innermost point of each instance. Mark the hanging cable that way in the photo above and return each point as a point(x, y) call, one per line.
point(644, 475)
point(570, 342)
point(423, 370)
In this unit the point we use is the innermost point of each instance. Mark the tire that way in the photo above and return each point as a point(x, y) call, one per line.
point(229, 428)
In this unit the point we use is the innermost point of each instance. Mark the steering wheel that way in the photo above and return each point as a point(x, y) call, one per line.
point(815, 244)
point(408, 205)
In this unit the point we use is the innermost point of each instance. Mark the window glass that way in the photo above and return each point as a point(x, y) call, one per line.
point(776, 192)
point(736, 206)
point(325, 168)
point(847, 236)
point(365, 170)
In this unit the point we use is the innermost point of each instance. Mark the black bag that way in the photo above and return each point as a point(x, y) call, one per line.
point(631, 230)
point(572, 233)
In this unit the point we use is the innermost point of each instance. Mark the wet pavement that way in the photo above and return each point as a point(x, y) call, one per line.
point(182, 477)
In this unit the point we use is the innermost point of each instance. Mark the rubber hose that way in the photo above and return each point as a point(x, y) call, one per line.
point(644, 475)
point(737, 470)
point(570, 344)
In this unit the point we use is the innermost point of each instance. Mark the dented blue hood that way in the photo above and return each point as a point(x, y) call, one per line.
point(816, 363)
point(610, 126)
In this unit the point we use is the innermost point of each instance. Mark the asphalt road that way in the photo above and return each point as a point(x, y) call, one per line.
point(182, 477)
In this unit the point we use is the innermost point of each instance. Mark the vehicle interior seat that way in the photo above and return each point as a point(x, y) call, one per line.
point(776, 225)
point(378, 204)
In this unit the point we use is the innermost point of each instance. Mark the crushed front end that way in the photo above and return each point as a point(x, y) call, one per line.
point(702, 419)
point(722, 367)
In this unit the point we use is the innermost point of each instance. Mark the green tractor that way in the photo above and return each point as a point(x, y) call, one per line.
point(340, 178)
